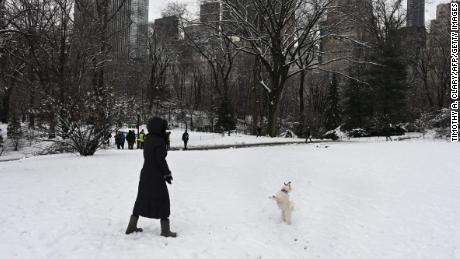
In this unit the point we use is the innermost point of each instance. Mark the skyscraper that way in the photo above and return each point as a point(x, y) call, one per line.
point(210, 12)
point(442, 21)
point(129, 29)
point(336, 53)
point(167, 29)
point(415, 13)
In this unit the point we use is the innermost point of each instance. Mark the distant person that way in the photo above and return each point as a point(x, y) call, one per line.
point(152, 196)
point(185, 138)
point(259, 132)
point(168, 140)
point(140, 140)
point(131, 138)
point(387, 131)
point(307, 134)
point(1, 141)
point(120, 140)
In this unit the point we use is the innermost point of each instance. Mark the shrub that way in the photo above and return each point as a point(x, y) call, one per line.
point(357, 133)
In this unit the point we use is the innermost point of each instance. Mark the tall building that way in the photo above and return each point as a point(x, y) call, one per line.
point(167, 29)
point(129, 28)
point(210, 12)
point(415, 13)
point(442, 21)
point(414, 34)
point(339, 31)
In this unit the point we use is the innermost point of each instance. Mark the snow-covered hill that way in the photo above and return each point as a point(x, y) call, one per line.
point(352, 200)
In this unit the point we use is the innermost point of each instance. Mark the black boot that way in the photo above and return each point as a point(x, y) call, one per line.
point(132, 225)
point(165, 230)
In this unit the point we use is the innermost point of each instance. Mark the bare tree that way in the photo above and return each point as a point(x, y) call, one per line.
point(160, 57)
point(278, 34)
point(432, 69)
point(66, 59)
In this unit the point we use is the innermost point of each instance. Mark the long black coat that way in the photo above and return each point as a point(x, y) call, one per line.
point(152, 196)
point(131, 137)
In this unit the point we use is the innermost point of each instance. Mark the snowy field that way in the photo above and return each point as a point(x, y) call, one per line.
point(197, 139)
point(200, 139)
point(352, 200)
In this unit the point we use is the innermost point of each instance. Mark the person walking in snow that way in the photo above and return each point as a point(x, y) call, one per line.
point(1, 142)
point(140, 140)
point(120, 140)
point(152, 196)
point(387, 131)
point(185, 139)
point(131, 138)
point(307, 134)
point(259, 132)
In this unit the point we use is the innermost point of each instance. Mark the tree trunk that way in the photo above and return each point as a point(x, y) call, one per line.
point(255, 107)
point(191, 120)
point(278, 81)
point(52, 127)
point(273, 111)
point(5, 110)
point(301, 104)
point(255, 114)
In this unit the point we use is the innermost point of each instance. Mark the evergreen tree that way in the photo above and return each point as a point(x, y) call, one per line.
point(357, 105)
point(225, 116)
point(332, 112)
point(14, 131)
point(388, 80)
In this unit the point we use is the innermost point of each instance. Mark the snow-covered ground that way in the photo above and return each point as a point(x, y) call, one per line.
point(27, 147)
point(200, 139)
point(197, 139)
point(352, 200)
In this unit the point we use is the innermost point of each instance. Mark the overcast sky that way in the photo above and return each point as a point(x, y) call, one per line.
point(157, 5)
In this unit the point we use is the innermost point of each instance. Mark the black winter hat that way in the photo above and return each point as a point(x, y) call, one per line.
point(157, 126)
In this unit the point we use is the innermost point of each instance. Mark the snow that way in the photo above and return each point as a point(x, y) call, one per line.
point(197, 139)
point(27, 147)
point(203, 139)
point(352, 200)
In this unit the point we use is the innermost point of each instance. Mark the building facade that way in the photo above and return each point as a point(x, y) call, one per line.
point(129, 29)
point(210, 12)
point(415, 13)
point(166, 29)
point(340, 33)
point(442, 21)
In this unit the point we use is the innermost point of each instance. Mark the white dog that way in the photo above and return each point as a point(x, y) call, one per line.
point(286, 206)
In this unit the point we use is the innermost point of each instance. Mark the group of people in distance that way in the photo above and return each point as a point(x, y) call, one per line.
point(130, 137)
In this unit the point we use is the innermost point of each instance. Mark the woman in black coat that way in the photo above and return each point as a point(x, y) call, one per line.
point(152, 196)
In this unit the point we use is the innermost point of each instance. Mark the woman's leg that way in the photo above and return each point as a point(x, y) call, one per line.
point(165, 228)
point(132, 225)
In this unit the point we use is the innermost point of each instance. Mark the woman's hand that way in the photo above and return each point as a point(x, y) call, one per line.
point(168, 178)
